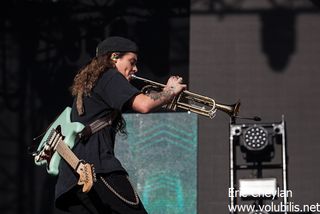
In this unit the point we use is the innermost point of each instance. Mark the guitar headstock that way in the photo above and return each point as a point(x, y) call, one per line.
point(87, 175)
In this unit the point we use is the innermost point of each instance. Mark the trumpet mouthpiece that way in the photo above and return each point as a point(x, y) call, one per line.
point(133, 76)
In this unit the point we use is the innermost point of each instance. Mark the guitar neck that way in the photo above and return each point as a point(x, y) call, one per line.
point(66, 153)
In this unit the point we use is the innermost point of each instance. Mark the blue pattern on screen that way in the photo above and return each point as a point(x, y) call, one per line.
point(160, 155)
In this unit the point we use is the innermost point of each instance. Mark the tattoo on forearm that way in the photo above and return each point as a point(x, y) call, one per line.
point(163, 95)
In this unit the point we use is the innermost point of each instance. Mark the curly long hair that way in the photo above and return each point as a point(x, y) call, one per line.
point(86, 79)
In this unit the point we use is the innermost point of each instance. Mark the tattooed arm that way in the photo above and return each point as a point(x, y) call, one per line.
point(145, 103)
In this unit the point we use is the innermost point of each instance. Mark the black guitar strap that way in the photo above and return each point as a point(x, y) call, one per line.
point(97, 125)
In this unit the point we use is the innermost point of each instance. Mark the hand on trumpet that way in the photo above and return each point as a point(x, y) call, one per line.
point(173, 95)
point(174, 86)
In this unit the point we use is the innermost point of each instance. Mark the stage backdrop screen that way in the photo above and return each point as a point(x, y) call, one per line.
point(160, 155)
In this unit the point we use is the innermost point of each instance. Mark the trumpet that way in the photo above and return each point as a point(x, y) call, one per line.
point(191, 102)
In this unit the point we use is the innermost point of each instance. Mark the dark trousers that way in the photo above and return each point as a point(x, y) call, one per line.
point(101, 199)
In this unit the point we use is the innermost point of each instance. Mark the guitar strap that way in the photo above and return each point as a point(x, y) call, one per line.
point(97, 125)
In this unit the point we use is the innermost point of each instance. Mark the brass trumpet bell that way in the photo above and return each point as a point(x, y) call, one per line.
point(191, 102)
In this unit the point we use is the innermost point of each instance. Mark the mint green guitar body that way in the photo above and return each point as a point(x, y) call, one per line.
point(69, 130)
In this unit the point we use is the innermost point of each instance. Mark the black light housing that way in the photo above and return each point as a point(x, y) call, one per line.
point(257, 141)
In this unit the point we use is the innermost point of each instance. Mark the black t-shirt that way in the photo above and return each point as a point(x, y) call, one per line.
point(111, 92)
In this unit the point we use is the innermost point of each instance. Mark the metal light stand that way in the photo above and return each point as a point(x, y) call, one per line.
point(233, 167)
point(284, 162)
point(231, 163)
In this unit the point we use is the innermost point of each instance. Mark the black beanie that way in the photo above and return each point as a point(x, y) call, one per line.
point(116, 44)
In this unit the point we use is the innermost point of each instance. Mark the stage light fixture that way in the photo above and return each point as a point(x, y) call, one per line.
point(255, 138)
point(257, 142)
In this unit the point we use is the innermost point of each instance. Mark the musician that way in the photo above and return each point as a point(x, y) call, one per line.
point(100, 87)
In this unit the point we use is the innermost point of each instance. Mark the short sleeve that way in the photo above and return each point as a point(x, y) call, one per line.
point(115, 90)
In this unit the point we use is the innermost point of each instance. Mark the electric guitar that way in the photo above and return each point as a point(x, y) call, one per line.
point(58, 142)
